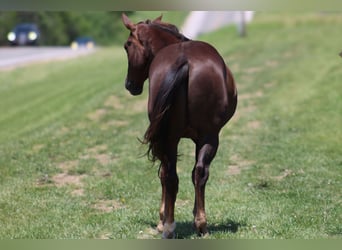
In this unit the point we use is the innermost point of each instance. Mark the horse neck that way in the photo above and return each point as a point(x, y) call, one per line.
point(162, 39)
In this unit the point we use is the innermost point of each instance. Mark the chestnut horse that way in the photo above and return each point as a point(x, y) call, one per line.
point(192, 94)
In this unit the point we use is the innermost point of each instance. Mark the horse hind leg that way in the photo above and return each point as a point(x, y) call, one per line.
point(160, 226)
point(169, 183)
point(205, 152)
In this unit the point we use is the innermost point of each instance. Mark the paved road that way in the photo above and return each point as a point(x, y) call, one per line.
point(12, 57)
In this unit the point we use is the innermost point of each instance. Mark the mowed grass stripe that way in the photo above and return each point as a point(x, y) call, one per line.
point(35, 104)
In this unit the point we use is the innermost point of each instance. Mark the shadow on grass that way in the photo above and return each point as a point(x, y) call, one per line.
point(186, 230)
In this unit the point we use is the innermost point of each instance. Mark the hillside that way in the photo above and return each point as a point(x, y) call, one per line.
point(71, 166)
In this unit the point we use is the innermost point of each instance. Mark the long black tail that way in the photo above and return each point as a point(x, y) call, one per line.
point(157, 130)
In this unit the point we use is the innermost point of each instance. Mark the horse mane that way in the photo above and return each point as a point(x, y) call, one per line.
point(170, 28)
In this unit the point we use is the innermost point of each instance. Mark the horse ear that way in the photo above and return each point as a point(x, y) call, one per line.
point(158, 19)
point(128, 23)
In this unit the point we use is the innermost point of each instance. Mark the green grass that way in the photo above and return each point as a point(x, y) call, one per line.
point(71, 165)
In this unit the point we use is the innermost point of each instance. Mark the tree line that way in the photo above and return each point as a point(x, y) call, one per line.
point(61, 28)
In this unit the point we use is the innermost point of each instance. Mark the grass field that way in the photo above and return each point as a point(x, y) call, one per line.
point(71, 165)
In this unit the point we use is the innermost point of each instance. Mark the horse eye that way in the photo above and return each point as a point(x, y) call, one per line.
point(128, 43)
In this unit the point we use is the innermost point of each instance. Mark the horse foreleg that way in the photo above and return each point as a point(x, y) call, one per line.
point(205, 152)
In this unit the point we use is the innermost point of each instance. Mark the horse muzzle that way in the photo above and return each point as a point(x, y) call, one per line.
point(133, 88)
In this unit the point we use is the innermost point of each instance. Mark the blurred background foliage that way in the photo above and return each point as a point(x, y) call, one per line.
point(61, 28)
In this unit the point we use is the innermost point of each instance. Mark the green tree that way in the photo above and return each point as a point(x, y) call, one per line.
point(61, 28)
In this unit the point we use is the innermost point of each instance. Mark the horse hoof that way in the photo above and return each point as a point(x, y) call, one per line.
point(201, 228)
point(169, 231)
point(160, 227)
point(203, 233)
point(168, 235)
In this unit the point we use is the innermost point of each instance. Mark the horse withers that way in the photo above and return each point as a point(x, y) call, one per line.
point(192, 94)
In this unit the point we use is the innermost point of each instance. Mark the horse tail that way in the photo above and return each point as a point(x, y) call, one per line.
point(156, 133)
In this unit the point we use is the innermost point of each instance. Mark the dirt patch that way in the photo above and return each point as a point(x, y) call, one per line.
point(243, 111)
point(235, 67)
point(114, 123)
point(97, 115)
point(249, 107)
point(104, 236)
point(148, 233)
point(247, 96)
point(242, 162)
point(43, 180)
point(238, 165)
point(253, 70)
point(78, 192)
point(140, 106)
point(269, 84)
point(98, 153)
point(108, 206)
point(67, 165)
point(80, 125)
point(182, 203)
point(288, 54)
point(64, 179)
point(272, 63)
point(103, 159)
point(98, 149)
point(254, 124)
point(285, 173)
point(36, 148)
point(104, 174)
point(113, 102)
point(62, 131)
point(234, 170)
point(117, 123)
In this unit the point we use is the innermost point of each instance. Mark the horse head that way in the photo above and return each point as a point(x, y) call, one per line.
point(144, 41)
point(138, 53)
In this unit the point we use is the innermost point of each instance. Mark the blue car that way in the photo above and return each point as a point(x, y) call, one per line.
point(24, 34)
point(83, 42)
